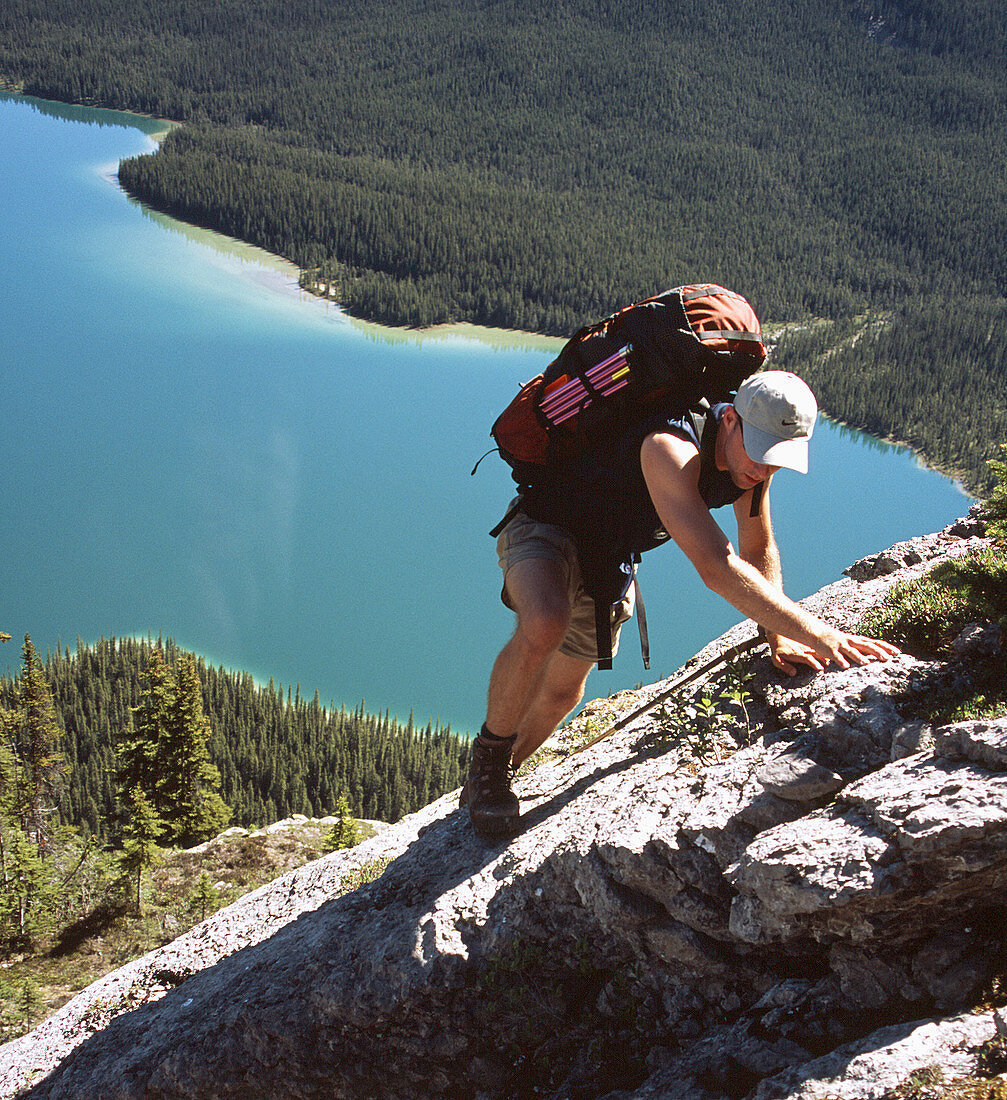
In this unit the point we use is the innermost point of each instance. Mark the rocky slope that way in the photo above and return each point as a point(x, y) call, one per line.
point(804, 902)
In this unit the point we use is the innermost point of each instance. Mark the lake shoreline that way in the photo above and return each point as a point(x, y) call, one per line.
point(494, 337)
point(484, 334)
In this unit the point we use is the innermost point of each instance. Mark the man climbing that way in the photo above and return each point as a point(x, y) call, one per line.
point(658, 479)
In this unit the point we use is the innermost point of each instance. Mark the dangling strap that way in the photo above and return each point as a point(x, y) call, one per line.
point(476, 466)
point(603, 632)
point(603, 628)
point(641, 622)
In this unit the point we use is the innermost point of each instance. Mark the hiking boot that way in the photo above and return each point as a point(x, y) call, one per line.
point(493, 807)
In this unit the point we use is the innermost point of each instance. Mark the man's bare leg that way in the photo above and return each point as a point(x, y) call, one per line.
point(536, 587)
point(560, 689)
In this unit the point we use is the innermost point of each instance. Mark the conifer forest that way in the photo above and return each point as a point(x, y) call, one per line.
point(134, 712)
point(537, 165)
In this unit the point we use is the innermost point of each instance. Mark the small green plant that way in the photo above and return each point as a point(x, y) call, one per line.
point(704, 722)
point(345, 832)
point(29, 1004)
point(674, 715)
point(925, 1083)
point(205, 899)
point(9, 1024)
point(595, 719)
point(735, 677)
point(703, 741)
point(926, 615)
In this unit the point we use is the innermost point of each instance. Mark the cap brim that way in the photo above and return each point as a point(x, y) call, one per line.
point(760, 446)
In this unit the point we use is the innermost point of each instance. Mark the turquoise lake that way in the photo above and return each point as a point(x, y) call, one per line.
point(193, 448)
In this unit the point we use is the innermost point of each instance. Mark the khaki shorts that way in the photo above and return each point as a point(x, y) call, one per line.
point(524, 538)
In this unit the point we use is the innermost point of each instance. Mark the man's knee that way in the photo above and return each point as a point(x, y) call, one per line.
point(560, 698)
point(543, 629)
point(537, 591)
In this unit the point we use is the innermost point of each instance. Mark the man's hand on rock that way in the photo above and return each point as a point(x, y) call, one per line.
point(836, 648)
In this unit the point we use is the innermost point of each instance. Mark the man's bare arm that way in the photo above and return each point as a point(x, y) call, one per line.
point(671, 469)
point(757, 545)
point(756, 542)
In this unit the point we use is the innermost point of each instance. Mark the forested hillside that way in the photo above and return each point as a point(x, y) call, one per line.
point(536, 165)
point(931, 373)
point(277, 753)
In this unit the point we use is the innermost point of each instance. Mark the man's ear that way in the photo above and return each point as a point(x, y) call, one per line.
point(729, 417)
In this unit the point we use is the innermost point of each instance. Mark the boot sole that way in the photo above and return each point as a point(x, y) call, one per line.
point(492, 826)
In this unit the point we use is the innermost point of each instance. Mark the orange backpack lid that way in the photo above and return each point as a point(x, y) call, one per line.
point(723, 320)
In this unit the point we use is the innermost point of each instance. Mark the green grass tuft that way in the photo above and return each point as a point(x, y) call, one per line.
point(925, 616)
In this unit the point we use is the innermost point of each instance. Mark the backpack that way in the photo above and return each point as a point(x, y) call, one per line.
point(677, 351)
point(669, 351)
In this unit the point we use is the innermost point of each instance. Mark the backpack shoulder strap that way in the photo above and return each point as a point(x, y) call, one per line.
point(704, 425)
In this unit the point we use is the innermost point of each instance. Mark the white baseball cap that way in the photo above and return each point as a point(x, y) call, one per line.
point(778, 413)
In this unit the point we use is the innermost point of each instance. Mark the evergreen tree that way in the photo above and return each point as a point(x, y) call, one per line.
point(205, 896)
point(28, 898)
point(30, 775)
point(345, 832)
point(95, 873)
point(8, 1014)
point(137, 751)
point(8, 790)
point(276, 757)
point(141, 829)
point(187, 781)
point(42, 766)
point(30, 1004)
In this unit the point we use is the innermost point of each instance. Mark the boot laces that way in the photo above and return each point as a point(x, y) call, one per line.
point(493, 770)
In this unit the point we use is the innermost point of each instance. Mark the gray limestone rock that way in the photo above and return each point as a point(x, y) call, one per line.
point(886, 1059)
point(984, 743)
point(797, 778)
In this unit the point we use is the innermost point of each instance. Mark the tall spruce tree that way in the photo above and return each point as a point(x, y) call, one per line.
point(137, 751)
point(187, 782)
point(27, 893)
point(28, 901)
point(42, 766)
point(8, 795)
point(140, 832)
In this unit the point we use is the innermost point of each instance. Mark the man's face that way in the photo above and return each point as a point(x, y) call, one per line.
point(745, 473)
